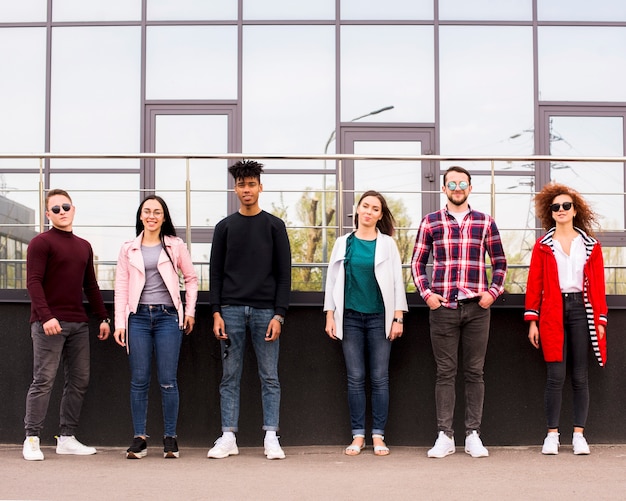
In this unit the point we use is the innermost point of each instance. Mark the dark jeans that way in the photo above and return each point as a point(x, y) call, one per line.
point(469, 326)
point(71, 347)
point(576, 352)
point(364, 339)
point(154, 330)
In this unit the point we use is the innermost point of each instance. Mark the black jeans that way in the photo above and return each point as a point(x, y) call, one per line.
point(576, 352)
point(71, 347)
point(468, 325)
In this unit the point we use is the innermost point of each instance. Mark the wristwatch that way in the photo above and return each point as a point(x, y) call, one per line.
point(279, 318)
point(399, 320)
point(106, 321)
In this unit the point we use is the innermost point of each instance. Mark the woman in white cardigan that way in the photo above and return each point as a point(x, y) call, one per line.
point(364, 302)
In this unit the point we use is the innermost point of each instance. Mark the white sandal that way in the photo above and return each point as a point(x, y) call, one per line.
point(380, 450)
point(353, 449)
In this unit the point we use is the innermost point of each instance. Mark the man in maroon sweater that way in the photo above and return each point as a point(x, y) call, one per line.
point(60, 268)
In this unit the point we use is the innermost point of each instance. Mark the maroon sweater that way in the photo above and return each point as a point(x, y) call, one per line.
point(59, 267)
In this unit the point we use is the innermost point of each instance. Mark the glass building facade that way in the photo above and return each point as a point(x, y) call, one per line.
point(459, 78)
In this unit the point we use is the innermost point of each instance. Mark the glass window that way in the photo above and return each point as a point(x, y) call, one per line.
point(286, 9)
point(581, 10)
point(486, 10)
point(582, 63)
point(390, 9)
point(602, 184)
point(105, 211)
point(23, 11)
point(398, 72)
point(193, 134)
point(167, 10)
point(486, 89)
point(288, 88)
point(95, 90)
point(96, 10)
point(22, 93)
point(191, 62)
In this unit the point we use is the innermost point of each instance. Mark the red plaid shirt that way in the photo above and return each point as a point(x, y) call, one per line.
point(459, 256)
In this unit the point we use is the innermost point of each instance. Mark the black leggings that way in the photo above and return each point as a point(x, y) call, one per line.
point(576, 352)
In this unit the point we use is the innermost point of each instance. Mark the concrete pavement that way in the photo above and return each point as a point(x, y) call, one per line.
point(316, 473)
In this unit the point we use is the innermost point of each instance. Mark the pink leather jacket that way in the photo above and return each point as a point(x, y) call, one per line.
point(130, 279)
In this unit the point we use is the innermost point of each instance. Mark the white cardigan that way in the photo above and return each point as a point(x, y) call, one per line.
point(388, 272)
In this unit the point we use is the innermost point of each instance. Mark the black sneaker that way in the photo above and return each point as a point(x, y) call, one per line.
point(138, 449)
point(170, 447)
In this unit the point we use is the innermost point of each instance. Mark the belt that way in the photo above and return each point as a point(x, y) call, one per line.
point(468, 300)
point(572, 295)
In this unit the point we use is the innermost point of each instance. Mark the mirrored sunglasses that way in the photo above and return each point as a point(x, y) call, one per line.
point(463, 185)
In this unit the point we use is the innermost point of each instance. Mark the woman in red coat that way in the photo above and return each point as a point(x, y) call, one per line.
point(566, 304)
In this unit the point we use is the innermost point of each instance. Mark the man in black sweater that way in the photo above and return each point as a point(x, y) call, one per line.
point(59, 268)
point(250, 281)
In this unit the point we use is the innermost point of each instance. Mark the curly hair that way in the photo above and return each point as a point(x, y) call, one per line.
point(585, 219)
point(246, 168)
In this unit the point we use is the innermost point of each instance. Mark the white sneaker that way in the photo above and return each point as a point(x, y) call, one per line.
point(444, 446)
point(580, 444)
point(474, 446)
point(31, 450)
point(223, 448)
point(273, 449)
point(69, 445)
point(551, 444)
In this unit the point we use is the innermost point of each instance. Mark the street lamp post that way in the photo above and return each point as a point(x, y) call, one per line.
point(324, 221)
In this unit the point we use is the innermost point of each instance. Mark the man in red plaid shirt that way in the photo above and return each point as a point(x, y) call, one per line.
point(459, 297)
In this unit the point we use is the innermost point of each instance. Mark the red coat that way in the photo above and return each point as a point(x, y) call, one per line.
point(544, 302)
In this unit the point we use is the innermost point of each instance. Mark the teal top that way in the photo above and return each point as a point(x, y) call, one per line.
point(362, 293)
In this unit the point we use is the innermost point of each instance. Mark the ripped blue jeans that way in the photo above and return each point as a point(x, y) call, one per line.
point(154, 329)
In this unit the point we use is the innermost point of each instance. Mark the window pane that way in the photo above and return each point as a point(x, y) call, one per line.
point(288, 88)
point(96, 10)
point(486, 89)
point(95, 90)
point(105, 214)
point(280, 9)
point(581, 10)
point(22, 93)
point(164, 10)
point(23, 11)
point(193, 134)
point(398, 72)
point(390, 9)
point(602, 184)
point(565, 51)
point(191, 62)
point(461, 10)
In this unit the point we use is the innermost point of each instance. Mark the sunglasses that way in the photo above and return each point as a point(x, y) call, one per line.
point(557, 207)
point(57, 208)
point(226, 346)
point(463, 185)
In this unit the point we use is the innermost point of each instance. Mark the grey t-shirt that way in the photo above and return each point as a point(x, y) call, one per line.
point(155, 291)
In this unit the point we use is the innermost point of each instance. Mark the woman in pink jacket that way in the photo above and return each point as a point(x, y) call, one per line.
point(566, 304)
point(150, 317)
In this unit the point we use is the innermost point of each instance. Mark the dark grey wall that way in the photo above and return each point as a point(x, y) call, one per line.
point(314, 403)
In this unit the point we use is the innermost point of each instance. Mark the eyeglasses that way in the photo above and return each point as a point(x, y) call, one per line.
point(463, 185)
point(226, 346)
point(155, 213)
point(557, 207)
point(57, 208)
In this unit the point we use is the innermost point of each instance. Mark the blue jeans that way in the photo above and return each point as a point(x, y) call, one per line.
point(469, 325)
point(154, 328)
point(71, 347)
point(576, 352)
point(364, 338)
point(236, 319)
